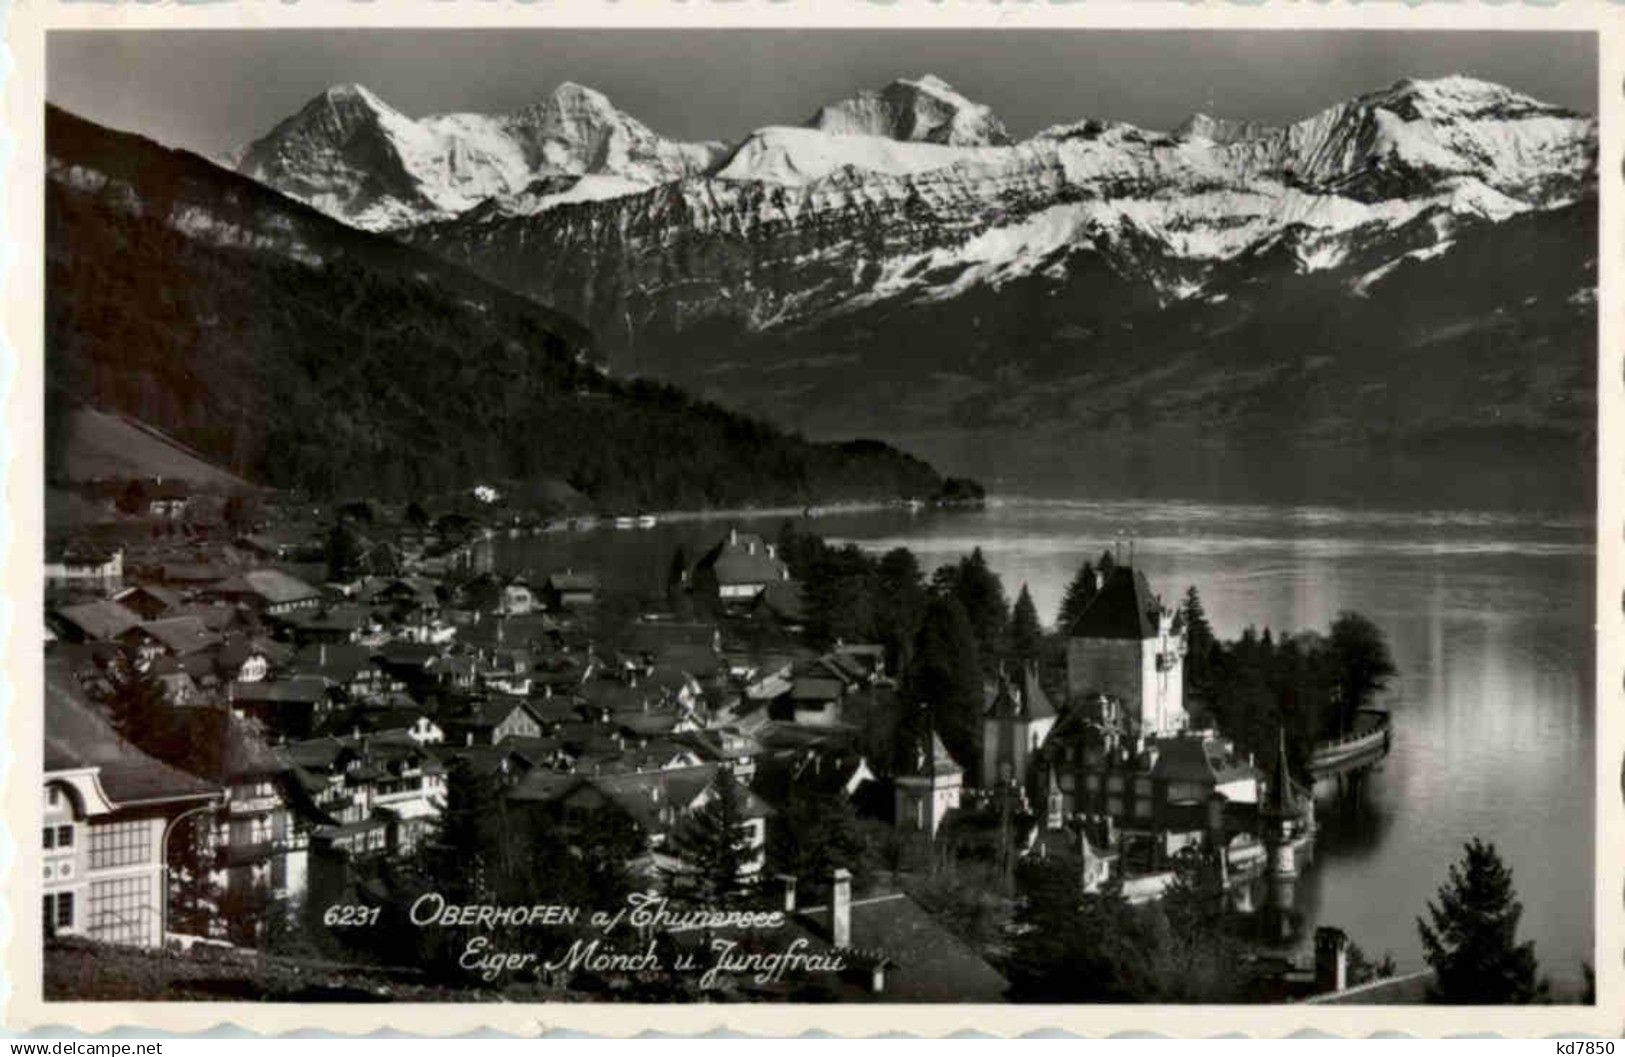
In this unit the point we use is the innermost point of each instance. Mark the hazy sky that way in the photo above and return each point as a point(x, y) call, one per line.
point(213, 90)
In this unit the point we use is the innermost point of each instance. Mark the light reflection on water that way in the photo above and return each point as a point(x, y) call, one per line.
point(1490, 618)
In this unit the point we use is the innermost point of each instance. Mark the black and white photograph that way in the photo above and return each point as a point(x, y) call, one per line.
point(1091, 516)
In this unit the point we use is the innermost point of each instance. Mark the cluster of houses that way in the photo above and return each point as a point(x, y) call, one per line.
point(332, 714)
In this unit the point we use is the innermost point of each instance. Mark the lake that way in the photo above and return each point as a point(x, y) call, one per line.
point(1489, 615)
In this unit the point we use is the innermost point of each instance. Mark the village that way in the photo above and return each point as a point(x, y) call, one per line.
point(321, 672)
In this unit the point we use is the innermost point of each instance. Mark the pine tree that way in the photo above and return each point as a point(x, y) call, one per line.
point(1026, 634)
point(344, 552)
point(1200, 646)
point(1362, 665)
point(900, 603)
point(137, 707)
point(711, 846)
point(946, 677)
point(816, 832)
point(1079, 593)
point(463, 857)
point(1471, 942)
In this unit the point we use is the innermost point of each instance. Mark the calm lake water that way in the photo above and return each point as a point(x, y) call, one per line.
point(1489, 615)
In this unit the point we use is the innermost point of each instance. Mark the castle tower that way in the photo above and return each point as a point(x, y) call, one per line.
point(1016, 722)
point(928, 788)
point(1126, 645)
point(1280, 824)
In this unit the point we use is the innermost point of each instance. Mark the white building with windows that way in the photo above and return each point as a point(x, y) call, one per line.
point(107, 811)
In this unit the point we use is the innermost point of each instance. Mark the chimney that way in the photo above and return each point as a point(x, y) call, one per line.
point(469, 735)
point(840, 908)
point(788, 880)
point(1331, 959)
point(877, 976)
point(733, 537)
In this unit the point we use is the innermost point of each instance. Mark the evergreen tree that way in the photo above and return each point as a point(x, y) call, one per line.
point(1471, 942)
point(900, 603)
point(1079, 593)
point(977, 589)
point(606, 845)
point(1362, 666)
point(711, 846)
point(838, 593)
point(1026, 634)
point(1199, 644)
point(137, 707)
point(345, 552)
point(464, 857)
point(194, 898)
point(946, 678)
point(1072, 947)
point(814, 833)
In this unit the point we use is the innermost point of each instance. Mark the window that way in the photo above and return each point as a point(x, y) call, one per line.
point(1187, 792)
point(1115, 783)
point(56, 912)
point(121, 909)
point(64, 836)
point(1142, 808)
point(1142, 786)
point(120, 844)
point(53, 796)
point(50, 838)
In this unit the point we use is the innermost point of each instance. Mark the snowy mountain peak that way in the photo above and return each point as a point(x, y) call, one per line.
point(577, 99)
point(354, 93)
point(923, 110)
point(1458, 98)
point(1221, 130)
point(353, 156)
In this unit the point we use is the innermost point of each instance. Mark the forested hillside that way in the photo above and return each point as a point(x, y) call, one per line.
point(301, 353)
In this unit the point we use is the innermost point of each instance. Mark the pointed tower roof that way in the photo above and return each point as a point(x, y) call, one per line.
point(1033, 699)
point(1279, 800)
point(931, 759)
point(1124, 608)
point(1022, 698)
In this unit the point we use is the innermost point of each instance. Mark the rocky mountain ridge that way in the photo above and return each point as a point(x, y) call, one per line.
point(898, 258)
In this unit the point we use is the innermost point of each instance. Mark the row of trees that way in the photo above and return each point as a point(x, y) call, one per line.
point(1192, 947)
point(1309, 685)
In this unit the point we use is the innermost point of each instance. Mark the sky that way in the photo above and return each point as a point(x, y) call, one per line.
point(213, 90)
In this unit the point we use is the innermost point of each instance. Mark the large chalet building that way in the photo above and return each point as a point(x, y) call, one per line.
point(108, 808)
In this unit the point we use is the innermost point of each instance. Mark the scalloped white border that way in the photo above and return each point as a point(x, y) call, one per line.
point(21, 539)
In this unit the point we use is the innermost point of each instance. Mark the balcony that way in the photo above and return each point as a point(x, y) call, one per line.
point(246, 854)
point(253, 805)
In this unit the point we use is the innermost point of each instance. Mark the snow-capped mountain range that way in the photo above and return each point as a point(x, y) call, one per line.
point(930, 175)
point(688, 259)
point(355, 157)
